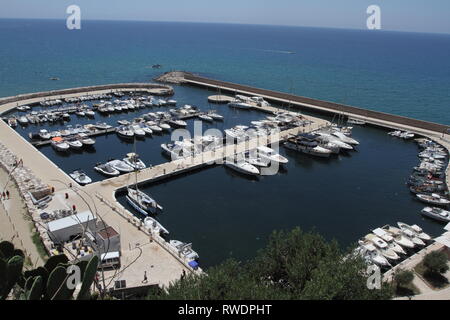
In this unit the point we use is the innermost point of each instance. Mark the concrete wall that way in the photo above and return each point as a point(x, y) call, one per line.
point(329, 106)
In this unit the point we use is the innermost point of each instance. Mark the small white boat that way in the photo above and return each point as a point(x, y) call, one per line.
point(240, 105)
point(382, 246)
point(184, 249)
point(121, 166)
point(215, 116)
point(154, 226)
point(60, 145)
point(142, 202)
point(243, 167)
point(416, 229)
point(125, 133)
point(205, 117)
point(80, 177)
point(44, 134)
point(345, 138)
point(23, 120)
point(134, 161)
point(86, 140)
point(90, 113)
point(102, 126)
point(178, 123)
point(437, 214)
point(107, 169)
point(164, 126)
point(137, 130)
point(74, 143)
point(308, 144)
point(433, 198)
point(368, 250)
point(413, 237)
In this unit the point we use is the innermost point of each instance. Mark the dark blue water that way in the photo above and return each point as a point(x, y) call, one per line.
point(401, 73)
point(221, 213)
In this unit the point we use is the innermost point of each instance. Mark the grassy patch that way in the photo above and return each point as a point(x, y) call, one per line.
point(435, 280)
point(39, 245)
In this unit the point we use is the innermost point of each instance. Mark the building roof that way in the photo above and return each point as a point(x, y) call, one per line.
point(69, 221)
point(110, 255)
point(107, 232)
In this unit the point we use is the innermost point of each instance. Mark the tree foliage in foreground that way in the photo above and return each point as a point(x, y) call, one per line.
point(293, 265)
point(436, 262)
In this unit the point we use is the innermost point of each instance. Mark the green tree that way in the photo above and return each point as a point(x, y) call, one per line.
point(293, 265)
point(436, 262)
point(404, 278)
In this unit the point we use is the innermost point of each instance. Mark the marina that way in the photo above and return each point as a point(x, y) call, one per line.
point(162, 174)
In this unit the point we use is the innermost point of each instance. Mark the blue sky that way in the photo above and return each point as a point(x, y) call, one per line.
point(399, 15)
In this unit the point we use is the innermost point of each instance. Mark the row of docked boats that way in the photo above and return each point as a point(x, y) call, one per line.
point(244, 102)
point(75, 142)
point(388, 245)
point(427, 182)
point(323, 142)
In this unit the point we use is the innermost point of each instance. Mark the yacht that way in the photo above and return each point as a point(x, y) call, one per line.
point(271, 155)
point(178, 123)
point(185, 249)
point(134, 161)
point(389, 239)
point(154, 226)
point(120, 166)
point(433, 198)
point(344, 138)
point(308, 144)
point(243, 167)
point(80, 177)
point(180, 149)
point(416, 229)
point(240, 105)
point(398, 236)
point(326, 137)
point(107, 169)
point(436, 214)
point(237, 132)
point(142, 202)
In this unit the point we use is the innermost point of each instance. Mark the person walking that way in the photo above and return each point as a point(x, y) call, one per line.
point(145, 277)
point(7, 194)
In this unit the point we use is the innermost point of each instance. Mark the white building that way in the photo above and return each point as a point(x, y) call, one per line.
point(67, 228)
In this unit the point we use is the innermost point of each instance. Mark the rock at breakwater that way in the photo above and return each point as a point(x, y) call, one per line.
point(176, 77)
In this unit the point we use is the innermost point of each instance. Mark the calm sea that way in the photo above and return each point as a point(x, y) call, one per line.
point(221, 213)
point(402, 73)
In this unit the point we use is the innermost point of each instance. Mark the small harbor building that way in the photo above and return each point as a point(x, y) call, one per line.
point(65, 229)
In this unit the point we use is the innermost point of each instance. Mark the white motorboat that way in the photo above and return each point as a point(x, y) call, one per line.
point(145, 128)
point(152, 125)
point(178, 123)
point(243, 167)
point(399, 237)
point(215, 116)
point(308, 144)
point(382, 246)
point(102, 126)
point(154, 226)
point(80, 113)
point(240, 105)
point(416, 229)
point(344, 138)
point(125, 132)
point(413, 237)
point(164, 126)
point(271, 155)
point(436, 214)
point(134, 161)
point(107, 169)
point(389, 239)
point(184, 249)
point(406, 135)
point(22, 120)
point(137, 130)
point(80, 177)
point(123, 122)
point(44, 134)
point(368, 250)
point(326, 137)
point(121, 166)
point(74, 143)
point(59, 144)
point(433, 198)
point(86, 140)
point(180, 149)
point(90, 113)
point(205, 117)
point(254, 159)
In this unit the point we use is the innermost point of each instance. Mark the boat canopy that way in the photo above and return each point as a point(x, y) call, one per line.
point(57, 139)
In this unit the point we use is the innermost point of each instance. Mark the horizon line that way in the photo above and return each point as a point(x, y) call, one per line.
point(236, 23)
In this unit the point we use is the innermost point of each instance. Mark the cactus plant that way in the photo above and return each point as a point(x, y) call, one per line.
point(55, 281)
point(13, 273)
point(35, 292)
point(6, 250)
point(53, 262)
point(88, 278)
